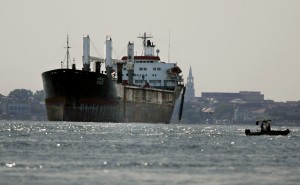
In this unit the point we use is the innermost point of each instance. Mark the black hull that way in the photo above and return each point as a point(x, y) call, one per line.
point(73, 95)
point(272, 132)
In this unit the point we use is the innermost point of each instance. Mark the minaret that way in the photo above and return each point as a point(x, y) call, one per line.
point(190, 90)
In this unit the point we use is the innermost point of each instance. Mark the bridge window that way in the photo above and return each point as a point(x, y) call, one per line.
point(155, 81)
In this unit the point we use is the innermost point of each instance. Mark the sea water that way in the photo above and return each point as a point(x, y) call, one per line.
point(139, 153)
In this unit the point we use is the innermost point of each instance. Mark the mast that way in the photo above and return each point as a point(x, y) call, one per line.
point(68, 54)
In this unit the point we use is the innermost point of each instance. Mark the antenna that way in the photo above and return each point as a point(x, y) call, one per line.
point(169, 46)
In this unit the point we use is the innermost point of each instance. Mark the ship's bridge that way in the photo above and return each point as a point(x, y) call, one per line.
point(144, 59)
point(150, 71)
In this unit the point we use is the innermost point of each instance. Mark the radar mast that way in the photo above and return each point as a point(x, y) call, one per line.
point(144, 38)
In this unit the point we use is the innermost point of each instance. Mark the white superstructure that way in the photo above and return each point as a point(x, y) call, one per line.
point(149, 70)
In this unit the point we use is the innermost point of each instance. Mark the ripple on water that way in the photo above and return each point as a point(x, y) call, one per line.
point(82, 153)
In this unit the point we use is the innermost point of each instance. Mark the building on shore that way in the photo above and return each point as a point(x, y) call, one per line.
point(12, 109)
point(247, 96)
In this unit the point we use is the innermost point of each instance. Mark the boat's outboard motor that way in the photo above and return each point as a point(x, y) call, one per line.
point(247, 131)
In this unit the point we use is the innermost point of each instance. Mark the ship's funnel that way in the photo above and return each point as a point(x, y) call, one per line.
point(86, 53)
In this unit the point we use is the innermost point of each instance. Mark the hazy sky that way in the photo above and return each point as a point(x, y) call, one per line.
point(232, 45)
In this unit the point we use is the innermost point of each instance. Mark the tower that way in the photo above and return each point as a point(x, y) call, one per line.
point(190, 90)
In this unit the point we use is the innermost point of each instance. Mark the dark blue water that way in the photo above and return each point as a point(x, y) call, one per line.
point(118, 153)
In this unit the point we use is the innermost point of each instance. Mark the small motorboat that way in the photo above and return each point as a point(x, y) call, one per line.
point(266, 129)
point(271, 132)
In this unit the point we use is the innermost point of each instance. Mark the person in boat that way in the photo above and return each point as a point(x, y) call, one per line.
point(262, 126)
point(269, 127)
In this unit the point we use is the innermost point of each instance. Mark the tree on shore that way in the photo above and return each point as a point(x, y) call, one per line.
point(39, 95)
point(20, 94)
point(24, 94)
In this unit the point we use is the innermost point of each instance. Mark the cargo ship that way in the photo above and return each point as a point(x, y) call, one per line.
point(138, 88)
